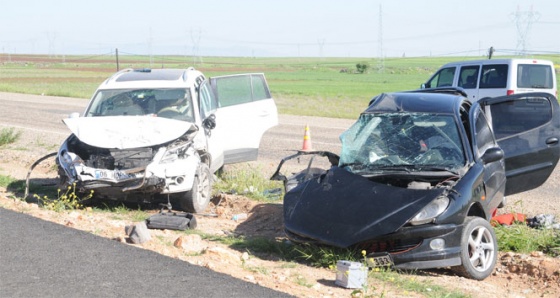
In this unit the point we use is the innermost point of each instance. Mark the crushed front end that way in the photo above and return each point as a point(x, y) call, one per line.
point(129, 173)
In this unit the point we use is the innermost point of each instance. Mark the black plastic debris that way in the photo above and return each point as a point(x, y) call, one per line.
point(172, 221)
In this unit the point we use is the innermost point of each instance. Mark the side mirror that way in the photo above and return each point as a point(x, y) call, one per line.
point(74, 115)
point(209, 122)
point(423, 86)
point(492, 154)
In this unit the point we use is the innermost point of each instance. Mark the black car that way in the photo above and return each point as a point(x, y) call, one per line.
point(420, 175)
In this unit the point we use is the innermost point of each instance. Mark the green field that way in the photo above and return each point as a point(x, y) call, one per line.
point(327, 87)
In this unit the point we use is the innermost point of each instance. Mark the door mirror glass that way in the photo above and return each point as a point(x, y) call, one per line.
point(209, 122)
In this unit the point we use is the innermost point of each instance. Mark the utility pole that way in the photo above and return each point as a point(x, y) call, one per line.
point(195, 48)
point(117, 56)
point(321, 43)
point(381, 62)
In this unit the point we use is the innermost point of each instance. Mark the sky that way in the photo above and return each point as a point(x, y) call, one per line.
point(287, 28)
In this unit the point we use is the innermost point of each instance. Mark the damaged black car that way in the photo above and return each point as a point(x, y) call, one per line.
point(420, 175)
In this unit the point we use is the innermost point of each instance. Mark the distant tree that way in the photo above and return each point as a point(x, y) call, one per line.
point(362, 67)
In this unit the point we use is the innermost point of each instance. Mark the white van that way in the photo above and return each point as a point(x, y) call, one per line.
point(496, 77)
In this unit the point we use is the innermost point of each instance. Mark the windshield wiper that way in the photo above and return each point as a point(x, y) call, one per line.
point(402, 168)
point(437, 168)
point(358, 165)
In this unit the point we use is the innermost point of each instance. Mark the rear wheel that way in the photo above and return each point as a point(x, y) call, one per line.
point(478, 249)
point(197, 199)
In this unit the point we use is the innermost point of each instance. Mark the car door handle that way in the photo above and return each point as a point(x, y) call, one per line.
point(264, 113)
point(552, 141)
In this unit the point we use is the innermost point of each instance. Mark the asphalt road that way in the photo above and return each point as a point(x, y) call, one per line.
point(42, 259)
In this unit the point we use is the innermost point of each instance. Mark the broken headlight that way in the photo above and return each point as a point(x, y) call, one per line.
point(430, 211)
point(174, 153)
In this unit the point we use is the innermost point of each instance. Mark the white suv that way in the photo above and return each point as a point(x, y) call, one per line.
point(154, 134)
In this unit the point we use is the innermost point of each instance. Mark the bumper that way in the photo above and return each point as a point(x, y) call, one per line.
point(155, 178)
point(421, 247)
point(414, 247)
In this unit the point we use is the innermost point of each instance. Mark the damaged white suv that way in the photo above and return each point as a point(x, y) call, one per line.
point(154, 134)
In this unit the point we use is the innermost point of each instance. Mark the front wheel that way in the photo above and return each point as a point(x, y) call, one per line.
point(478, 249)
point(197, 199)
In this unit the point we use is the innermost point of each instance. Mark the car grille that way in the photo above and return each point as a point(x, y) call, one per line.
point(391, 246)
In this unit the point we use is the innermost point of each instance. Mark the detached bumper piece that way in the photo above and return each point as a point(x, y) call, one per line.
point(172, 221)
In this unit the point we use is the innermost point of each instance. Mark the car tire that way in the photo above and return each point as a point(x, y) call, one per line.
point(479, 249)
point(197, 199)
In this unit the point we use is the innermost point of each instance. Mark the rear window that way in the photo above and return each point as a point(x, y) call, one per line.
point(494, 76)
point(534, 76)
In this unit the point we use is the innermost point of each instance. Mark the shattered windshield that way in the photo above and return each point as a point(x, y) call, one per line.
point(168, 103)
point(402, 142)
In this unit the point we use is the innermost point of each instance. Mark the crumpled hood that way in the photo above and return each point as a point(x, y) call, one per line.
point(343, 209)
point(125, 132)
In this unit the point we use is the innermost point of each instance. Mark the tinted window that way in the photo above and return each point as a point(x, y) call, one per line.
point(534, 76)
point(494, 76)
point(468, 76)
point(513, 117)
point(208, 102)
point(483, 134)
point(239, 89)
point(442, 78)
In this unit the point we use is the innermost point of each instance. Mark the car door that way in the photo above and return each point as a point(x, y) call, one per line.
point(443, 78)
point(468, 79)
point(527, 128)
point(245, 112)
point(483, 140)
point(493, 80)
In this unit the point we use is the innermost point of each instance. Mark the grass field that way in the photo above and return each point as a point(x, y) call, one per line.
point(328, 87)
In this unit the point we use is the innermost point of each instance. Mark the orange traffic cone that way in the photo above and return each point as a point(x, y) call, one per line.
point(306, 140)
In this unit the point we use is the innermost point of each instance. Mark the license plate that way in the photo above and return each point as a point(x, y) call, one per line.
point(384, 260)
point(111, 175)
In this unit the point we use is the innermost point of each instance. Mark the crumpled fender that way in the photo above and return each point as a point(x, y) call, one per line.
point(342, 209)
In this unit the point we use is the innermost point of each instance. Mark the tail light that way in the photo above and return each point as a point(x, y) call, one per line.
point(510, 92)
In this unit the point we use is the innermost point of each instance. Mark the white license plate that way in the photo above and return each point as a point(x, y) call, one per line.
point(380, 261)
point(112, 175)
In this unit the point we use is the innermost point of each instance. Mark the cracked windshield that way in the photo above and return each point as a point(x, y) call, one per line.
point(167, 103)
point(399, 141)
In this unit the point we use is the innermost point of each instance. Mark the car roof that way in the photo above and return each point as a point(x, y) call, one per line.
point(499, 61)
point(152, 78)
point(419, 102)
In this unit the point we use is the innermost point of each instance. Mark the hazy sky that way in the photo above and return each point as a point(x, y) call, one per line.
point(328, 28)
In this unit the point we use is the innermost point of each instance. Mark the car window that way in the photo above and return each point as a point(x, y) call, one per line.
point(239, 89)
point(494, 76)
point(483, 134)
point(442, 78)
point(534, 76)
point(208, 102)
point(468, 75)
point(514, 117)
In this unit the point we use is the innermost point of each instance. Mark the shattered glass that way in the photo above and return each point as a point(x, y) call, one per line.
point(408, 142)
